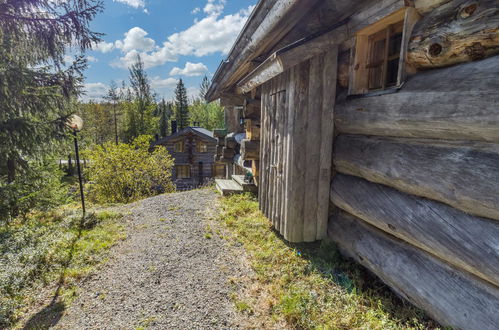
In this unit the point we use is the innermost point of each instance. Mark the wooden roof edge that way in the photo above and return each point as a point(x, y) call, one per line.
point(269, 22)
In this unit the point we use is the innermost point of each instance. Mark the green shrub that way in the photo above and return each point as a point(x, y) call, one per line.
point(127, 172)
point(37, 187)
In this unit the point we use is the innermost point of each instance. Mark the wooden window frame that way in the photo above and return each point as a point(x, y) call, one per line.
point(176, 147)
point(199, 146)
point(179, 172)
point(360, 68)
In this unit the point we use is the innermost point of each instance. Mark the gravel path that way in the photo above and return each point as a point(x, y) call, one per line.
point(167, 274)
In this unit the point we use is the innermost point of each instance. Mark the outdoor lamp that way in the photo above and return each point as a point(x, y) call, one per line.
point(76, 124)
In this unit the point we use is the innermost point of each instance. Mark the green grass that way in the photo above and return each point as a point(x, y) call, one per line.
point(51, 248)
point(309, 286)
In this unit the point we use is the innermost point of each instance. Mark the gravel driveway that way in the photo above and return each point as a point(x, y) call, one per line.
point(168, 274)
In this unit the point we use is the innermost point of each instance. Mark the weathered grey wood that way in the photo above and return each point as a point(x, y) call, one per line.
point(328, 78)
point(452, 297)
point(462, 174)
point(459, 102)
point(289, 149)
point(312, 149)
point(250, 150)
point(282, 60)
point(294, 228)
point(281, 110)
point(262, 195)
point(458, 31)
point(425, 6)
point(466, 241)
point(230, 141)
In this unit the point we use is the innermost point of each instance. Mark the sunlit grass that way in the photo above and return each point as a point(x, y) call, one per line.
point(52, 248)
point(309, 286)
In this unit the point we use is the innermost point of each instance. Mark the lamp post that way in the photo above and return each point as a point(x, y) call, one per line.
point(76, 124)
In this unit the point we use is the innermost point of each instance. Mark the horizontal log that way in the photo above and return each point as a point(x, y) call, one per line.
point(466, 241)
point(463, 175)
point(458, 31)
point(251, 109)
point(459, 102)
point(452, 297)
point(425, 6)
point(250, 150)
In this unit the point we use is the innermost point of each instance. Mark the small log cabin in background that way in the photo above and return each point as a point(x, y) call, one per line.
point(193, 150)
point(377, 124)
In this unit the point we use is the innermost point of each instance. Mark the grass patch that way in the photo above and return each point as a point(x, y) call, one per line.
point(51, 247)
point(310, 286)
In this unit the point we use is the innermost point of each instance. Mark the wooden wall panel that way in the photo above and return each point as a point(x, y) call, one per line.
point(459, 102)
point(452, 297)
point(464, 175)
point(465, 241)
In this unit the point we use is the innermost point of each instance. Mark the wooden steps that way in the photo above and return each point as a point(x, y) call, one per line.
point(234, 186)
point(228, 187)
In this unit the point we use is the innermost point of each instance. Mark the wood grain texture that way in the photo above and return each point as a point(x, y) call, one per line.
point(250, 150)
point(452, 297)
point(458, 31)
point(459, 102)
point(465, 241)
point(464, 175)
point(329, 79)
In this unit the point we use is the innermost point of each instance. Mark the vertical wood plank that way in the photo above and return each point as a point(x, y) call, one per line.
point(329, 80)
point(288, 147)
point(281, 111)
point(294, 228)
point(263, 151)
point(313, 136)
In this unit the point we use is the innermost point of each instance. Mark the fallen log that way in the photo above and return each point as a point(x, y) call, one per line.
point(464, 175)
point(452, 297)
point(463, 240)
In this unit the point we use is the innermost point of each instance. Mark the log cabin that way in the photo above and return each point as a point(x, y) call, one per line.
point(375, 124)
point(192, 150)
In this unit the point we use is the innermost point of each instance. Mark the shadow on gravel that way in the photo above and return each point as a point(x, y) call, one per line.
point(51, 314)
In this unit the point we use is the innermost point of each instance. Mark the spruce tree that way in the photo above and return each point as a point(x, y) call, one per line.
point(36, 87)
point(203, 88)
point(181, 105)
point(165, 110)
point(113, 98)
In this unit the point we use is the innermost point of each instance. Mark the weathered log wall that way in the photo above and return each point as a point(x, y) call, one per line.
point(295, 148)
point(451, 296)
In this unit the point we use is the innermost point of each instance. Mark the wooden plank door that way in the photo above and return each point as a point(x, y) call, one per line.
point(296, 148)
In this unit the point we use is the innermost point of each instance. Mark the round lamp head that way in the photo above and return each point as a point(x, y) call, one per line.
point(75, 123)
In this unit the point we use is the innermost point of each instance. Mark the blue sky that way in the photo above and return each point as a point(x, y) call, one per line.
point(176, 39)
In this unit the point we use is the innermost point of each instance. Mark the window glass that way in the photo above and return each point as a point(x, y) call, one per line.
point(179, 146)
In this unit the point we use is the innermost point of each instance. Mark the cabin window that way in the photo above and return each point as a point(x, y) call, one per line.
point(178, 146)
point(202, 147)
point(380, 50)
point(183, 171)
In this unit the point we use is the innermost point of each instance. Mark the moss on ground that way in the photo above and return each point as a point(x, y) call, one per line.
point(309, 286)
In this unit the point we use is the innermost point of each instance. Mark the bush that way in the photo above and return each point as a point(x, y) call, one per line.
point(38, 187)
point(127, 172)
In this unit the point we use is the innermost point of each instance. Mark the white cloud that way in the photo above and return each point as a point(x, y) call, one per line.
point(103, 47)
point(132, 3)
point(135, 39)
point(92, 59)
point(196, 11)
point(157, 82)
point(214, 7)
point(190, 70)
point(212, 34)
point(94, 92)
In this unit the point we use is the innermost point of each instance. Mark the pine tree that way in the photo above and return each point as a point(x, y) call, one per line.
point(113, 97)
point(165, 110)
point(203, 88)
point(36, 88)
point(141, 119)
point(181, 105)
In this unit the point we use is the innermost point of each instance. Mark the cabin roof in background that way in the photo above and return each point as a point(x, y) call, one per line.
point(199, 131)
